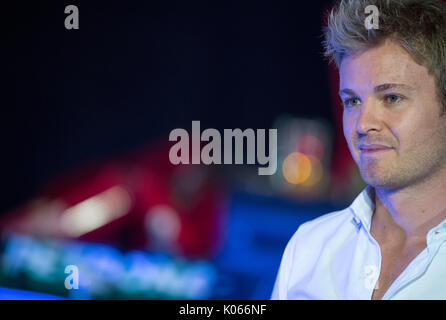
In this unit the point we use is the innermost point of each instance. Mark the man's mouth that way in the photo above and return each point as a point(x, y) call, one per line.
point(373, 148)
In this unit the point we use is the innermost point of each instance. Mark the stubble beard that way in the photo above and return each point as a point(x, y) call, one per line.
point(397, 173)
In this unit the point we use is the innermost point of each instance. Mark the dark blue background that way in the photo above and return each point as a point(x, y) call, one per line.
point(135, 70)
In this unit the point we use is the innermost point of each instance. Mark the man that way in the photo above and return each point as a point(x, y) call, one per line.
point(390, 243)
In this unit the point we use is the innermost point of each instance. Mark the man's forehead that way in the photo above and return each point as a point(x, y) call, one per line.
point(386, 64)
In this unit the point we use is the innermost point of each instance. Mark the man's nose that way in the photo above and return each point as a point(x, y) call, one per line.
point(369, 118)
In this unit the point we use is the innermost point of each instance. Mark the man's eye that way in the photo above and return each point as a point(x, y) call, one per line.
point(350, 102)
point(393, 98)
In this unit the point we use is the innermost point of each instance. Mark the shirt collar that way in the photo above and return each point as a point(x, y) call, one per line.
point(363, 207)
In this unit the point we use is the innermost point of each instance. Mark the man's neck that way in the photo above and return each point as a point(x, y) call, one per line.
point(412, 210)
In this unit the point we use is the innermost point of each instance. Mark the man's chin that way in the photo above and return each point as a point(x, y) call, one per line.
point(380, 180)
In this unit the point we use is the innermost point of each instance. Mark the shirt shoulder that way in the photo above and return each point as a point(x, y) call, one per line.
point(312, 236)
point(317, 246)
point(305, 246)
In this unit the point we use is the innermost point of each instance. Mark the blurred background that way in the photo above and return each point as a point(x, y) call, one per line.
point(86, 116)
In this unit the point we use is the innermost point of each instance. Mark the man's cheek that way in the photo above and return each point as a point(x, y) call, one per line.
point(349, 135)
point(350, 138)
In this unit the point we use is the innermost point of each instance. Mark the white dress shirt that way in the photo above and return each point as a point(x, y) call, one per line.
point(336, 257)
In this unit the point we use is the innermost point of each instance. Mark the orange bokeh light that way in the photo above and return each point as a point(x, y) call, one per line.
point(296, 168)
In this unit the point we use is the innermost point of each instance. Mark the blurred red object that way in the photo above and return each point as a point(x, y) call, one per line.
point(140, 201)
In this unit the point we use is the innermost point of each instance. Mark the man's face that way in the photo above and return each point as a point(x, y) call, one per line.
point(391, 118)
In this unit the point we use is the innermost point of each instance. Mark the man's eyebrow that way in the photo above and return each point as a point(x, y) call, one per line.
point(347, 91)
point(387, 86)
point(381, 87)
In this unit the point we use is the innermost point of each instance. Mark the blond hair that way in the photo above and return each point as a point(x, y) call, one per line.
point(419, 26)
